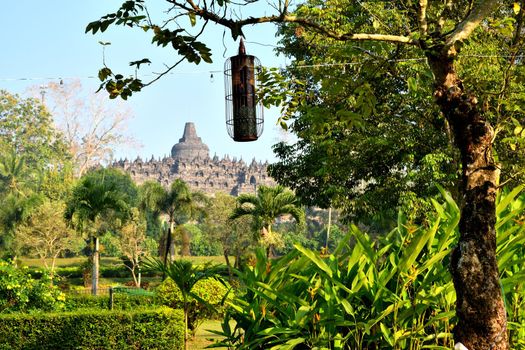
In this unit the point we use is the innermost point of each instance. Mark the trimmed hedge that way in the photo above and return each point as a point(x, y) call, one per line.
point(161, 328)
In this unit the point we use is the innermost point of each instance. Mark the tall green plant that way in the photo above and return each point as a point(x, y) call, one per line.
point(393, 293)
point(510, 228)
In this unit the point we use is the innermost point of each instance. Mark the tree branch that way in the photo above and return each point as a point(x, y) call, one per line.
point(422, 16)
point(283, 17)
point(481, 10)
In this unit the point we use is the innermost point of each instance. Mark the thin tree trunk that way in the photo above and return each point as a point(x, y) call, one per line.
point(328, 228)
point(185, 250)
point(52, 270)
point(166, 251)
point(186, 324)
point(171, 246)
point(226, 254)
point(94, 277)
point(482, 323)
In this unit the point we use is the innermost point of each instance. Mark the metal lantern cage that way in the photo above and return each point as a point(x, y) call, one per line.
point(244, 114)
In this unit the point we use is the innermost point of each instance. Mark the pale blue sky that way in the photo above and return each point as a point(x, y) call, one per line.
point(45, 39)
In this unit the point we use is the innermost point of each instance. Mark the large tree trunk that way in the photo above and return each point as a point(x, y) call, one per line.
point(482, 323)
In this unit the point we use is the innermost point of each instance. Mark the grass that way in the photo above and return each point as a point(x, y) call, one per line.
point(112, 261)
point(203, 337)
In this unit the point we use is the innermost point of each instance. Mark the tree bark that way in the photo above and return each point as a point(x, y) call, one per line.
point(94, 277)
point(167, 251)
point(185, 250)
point(480, 309)
point(226, 254)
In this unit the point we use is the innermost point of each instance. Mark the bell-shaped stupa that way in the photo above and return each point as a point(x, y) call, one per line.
point(190, 146)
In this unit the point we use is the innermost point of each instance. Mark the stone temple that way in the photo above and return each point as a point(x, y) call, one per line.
point(191, 162)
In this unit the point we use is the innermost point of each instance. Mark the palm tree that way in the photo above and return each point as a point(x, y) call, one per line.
point(185, 275)
point(101, 200)
point(269, 204)
point(179, 203)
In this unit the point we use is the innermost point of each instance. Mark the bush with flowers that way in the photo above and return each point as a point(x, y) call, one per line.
point(20, 292)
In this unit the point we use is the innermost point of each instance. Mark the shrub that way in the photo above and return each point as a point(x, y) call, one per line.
point(160, 328)
point(20, 292)
point(210, 290)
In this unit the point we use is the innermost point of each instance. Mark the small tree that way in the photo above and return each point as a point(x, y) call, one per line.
point(132, 241)
point(185, 275)
point(234, 235)
point(179, 203)
point(46, 235)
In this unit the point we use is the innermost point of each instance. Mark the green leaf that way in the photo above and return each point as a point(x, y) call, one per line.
point(139, 62)
point(104, 73)
point(412, 84)
point(415, 247)
point(289, 345)
point(364, 242)
point(504, 202)
point(193, 18)
point(387, 334)
point(314, 257)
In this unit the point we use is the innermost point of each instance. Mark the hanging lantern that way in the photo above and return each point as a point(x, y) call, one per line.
point(244, 114)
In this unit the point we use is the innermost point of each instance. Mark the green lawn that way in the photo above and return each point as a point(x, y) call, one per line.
point(111, 261)
point(203, 337)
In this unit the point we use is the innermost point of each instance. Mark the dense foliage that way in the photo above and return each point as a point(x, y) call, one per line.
point(160, 328)
point(393, 293)
point(210, 305)
point(20, 292)
point(185, 276)
point(268, 205)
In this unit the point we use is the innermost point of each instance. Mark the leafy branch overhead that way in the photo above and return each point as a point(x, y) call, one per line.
point(133, 14)
point(171, 31)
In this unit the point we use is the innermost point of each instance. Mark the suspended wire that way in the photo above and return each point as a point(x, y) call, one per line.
point(302, 66)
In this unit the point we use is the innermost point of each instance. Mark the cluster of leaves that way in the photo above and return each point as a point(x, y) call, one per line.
point(134, 14)
point(393, 293)
point(20, 292)
point(269, 204)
